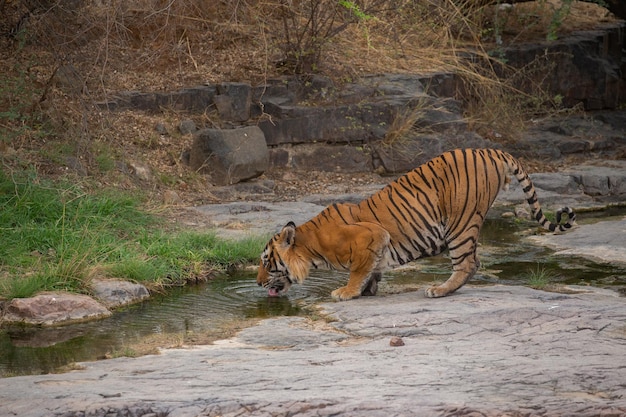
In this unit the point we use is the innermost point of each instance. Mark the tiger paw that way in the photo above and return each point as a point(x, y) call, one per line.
point(343, 294)
point(435, 292)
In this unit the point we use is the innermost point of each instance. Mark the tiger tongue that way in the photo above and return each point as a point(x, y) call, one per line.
point(272, 292)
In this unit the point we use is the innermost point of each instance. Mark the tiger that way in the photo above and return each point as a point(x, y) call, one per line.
point(440, 205)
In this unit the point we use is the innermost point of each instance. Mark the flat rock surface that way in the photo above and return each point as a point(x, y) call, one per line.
point(239, 219)
point(603, 242)
point(488, 351)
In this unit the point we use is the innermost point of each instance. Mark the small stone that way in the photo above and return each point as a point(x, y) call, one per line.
point(140, 170)
point(507, 215)
point(187, 126)
point(522, 213)
point(161, 129)
point(171, 197)
point(69, 80)
point(289, 176)
point(396, 341)
point(76, 165)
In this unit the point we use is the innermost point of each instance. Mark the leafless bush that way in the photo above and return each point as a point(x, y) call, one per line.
point(309, 25)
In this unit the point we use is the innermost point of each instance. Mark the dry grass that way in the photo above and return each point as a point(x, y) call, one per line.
point(153, 45)
point(156, 45)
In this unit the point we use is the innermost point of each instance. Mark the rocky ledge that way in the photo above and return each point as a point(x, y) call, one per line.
point(485, 351)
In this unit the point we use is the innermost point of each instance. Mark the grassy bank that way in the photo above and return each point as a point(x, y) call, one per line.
point(57, 236)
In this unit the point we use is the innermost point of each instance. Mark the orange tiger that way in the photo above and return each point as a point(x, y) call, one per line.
point(440, 205)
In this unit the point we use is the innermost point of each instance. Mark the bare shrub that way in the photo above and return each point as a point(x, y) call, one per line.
point(309, 25)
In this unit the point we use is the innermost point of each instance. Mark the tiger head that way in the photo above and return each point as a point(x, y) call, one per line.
point(281, 265)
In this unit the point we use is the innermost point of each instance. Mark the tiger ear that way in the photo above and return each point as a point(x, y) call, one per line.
point(288, 234)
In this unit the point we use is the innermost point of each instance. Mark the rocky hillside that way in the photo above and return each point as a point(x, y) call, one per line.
point(63, 58)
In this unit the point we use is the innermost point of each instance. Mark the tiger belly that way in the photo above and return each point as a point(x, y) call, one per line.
point(410, 249)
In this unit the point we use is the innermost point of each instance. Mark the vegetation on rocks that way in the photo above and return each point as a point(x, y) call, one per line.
point(57, 236)
point(540, 277)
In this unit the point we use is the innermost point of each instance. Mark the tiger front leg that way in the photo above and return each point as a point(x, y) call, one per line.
point(367, 250)
point(353, 289)
point(356, 287)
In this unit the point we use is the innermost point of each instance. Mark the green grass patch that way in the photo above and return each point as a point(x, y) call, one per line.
point(56, 236)
point(540, 278)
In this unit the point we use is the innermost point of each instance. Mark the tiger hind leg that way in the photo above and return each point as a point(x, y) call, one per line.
point(465, 264)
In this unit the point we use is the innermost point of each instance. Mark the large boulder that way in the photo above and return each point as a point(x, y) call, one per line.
point(49, 309)
point(359, 113)
point(230, 155)
point(415, 149)
point(583, 68)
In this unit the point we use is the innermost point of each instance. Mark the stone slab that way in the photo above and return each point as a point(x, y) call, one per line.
point(488, 351)
point(52, 308)
point(240, 219)
point(604, 241)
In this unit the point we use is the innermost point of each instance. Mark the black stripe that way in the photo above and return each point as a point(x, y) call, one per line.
point(466, 227)
point(370, 202)
point(423, 225)
point(394, 204)
point(325, 213)
point(419, 173)
point(427, 204)
point(460, 211)
point(335, 206)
